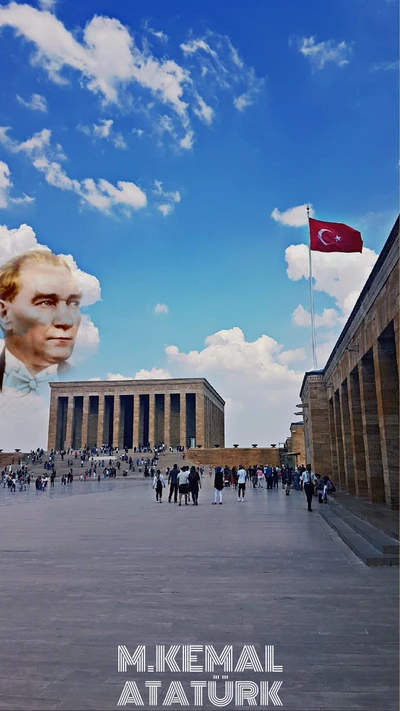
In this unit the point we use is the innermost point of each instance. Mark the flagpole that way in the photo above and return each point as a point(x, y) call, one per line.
point(313, 341)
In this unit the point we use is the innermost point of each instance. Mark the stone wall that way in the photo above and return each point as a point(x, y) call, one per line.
point(6, 458)
point(297, 442)
point(232, 457)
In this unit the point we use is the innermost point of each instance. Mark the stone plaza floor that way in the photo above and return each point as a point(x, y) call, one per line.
point(100, 565)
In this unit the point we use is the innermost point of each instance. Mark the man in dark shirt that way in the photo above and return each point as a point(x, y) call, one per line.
point(173, 482)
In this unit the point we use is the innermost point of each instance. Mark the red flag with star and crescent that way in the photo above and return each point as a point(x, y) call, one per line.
point(334, 237)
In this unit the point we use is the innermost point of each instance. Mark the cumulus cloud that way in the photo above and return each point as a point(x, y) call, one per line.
point(161, 309)
point(48, 5)
point(293, 216)
point(319, 53)
point(46, 158)
point(256, 376)
point(328, 319)
point(342, 276)
point(143, 374)
point(5, 187)
point(153, 374)
point(87, 340)
point(36, 103)
point(104, 130)
point(23, 239)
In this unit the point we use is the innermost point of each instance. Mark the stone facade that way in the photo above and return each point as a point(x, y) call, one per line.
point(295, 445)
point(351, 407)
point(232, 457)
point(136, 412)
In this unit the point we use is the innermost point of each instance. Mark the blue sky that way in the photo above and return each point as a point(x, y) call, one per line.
point(235, 112)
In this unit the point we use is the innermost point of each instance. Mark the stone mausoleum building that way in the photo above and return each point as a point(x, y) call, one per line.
point(129, 413)
point(351, 407)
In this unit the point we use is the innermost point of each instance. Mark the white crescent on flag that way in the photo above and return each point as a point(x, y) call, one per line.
point(320, 235)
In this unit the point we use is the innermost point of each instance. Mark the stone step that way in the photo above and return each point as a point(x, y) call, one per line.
point(380, 541)
point(362, 548)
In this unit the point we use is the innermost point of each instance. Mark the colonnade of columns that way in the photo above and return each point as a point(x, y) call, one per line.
point(364, 418)
point(140, 419)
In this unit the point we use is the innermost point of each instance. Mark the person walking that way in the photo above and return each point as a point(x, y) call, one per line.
point(173, 484)
point(158, 485)
point(218, 485)
point(241, 480)
point(183, 482)
point(308, 479)
point(194, 485)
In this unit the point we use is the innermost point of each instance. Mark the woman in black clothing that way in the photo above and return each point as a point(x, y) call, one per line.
point(194, 485)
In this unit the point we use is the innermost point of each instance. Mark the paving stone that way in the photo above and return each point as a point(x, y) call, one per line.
point(85, 571)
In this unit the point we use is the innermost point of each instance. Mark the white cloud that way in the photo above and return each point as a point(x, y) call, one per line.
point(261, 387)
point(203, 111)
point(104, 130)
point(222, 66)
point(321, 52)
point(48, 5)
point(5, 187)
point(385, 66)
point(242, 102)
point(100, 194)
point(169, 198)
point(111, 64)
point(153, 374)
point(294, 356)
point(87, 341)
point(195, 45)
point(138, 131)
point(165, 209)
point(342, 276)
point(36, 103)
point(159, 34)
point(328, 319)
point(293, 217)
point(161, 309)
point(23, 239)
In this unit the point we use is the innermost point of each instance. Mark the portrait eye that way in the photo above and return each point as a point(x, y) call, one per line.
point(45, 302)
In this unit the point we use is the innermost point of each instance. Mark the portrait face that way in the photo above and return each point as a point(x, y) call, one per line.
point(41, 323)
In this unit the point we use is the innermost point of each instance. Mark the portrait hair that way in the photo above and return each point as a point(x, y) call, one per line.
point(10, 271)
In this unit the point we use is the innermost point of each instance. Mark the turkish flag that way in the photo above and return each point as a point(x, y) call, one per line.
point(334, 237)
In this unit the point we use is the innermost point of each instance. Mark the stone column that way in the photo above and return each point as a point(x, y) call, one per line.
point(116, 422)
point(167, 419)
point(200, 434)
point(136, 413)
point(182, 420)
point(100, 421)
point(152, 423)
point(338, 438)
point(85, 417)
point(356, 433)
point(387, 397)
point(348, 454)
point(370, 429)
point(51, 442)
point(70, 417)
point(335, 475)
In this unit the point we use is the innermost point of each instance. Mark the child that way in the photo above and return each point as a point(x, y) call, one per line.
point(158, 485)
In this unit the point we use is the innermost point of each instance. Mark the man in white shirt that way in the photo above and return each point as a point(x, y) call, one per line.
point(308, 478)
point(241, 482)
point(39, 317)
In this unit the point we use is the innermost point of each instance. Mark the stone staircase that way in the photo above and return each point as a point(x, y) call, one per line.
point(371, 545)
